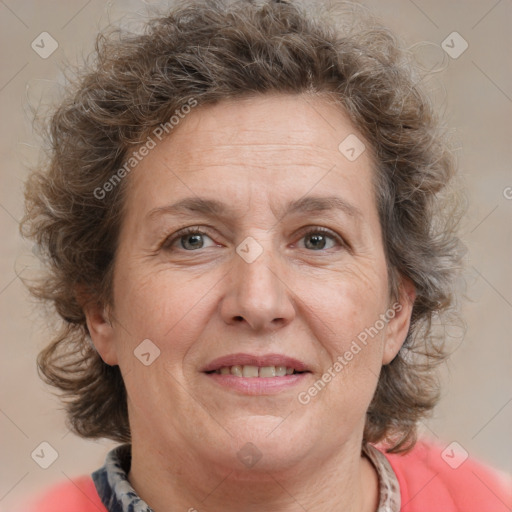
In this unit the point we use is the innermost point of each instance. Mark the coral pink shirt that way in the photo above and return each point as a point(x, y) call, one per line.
point(431, 478)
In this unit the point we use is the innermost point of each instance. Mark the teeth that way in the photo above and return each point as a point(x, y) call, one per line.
point(236, 370)
point(280, 371)
point(250, 371)
point(268, 371)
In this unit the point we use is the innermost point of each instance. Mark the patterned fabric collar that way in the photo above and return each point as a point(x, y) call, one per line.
point(118, 495)
point(111, 481)
point(389, 488)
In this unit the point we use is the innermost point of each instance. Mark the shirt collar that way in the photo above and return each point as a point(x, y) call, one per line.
point(113, 486)
point(389, 488)
point(118, 495)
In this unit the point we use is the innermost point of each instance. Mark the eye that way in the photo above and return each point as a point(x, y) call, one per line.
point(192, 238)
point(189, 239)
point(318, 239)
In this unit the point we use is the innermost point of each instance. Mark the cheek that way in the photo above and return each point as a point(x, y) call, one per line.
point(351, 338)
point(168, 308)
point(343, 303)
point(347, 322)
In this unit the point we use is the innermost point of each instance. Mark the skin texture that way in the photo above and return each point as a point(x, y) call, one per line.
point(295, 299)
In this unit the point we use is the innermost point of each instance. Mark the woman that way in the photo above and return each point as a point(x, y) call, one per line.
point(246, 239)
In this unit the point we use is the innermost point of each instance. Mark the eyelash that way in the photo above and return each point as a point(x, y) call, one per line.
point(195, 230)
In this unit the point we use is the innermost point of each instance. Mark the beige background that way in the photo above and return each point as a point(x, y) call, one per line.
point(475, 90)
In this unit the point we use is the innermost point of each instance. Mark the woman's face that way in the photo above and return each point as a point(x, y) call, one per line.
point(287, 263)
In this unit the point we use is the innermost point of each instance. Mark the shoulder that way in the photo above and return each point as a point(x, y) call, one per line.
point(437, 477)
point(77, 495)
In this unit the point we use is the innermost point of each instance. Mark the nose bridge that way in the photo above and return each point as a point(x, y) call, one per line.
point(257, 293)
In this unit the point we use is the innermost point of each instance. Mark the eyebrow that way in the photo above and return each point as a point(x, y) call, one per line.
point(214, 208)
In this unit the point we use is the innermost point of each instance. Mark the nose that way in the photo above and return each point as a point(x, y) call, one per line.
point(258, 295)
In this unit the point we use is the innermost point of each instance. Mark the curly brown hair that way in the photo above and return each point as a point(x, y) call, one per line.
point(211, 51)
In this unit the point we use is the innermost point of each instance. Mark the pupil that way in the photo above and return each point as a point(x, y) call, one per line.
point(194, 245)
point(316, 239)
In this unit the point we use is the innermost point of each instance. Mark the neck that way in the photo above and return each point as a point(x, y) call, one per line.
point(176, 479)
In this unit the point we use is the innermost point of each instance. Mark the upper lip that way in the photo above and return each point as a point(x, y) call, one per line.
point(256, 360)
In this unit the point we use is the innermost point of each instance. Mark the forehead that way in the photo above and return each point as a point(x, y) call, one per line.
point(283, 147)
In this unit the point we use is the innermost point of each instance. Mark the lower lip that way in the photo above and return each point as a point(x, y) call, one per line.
point(258, 385)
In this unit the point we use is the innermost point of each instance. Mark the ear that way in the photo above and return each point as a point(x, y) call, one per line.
point(398, 325)
point(99, 326)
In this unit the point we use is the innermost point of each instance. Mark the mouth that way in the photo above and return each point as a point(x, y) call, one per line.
point(249, 365)
point(256, 375)
point(252, 371)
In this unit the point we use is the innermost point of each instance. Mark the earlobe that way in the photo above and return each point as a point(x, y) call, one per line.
point(398, 325)
point(101, 331)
